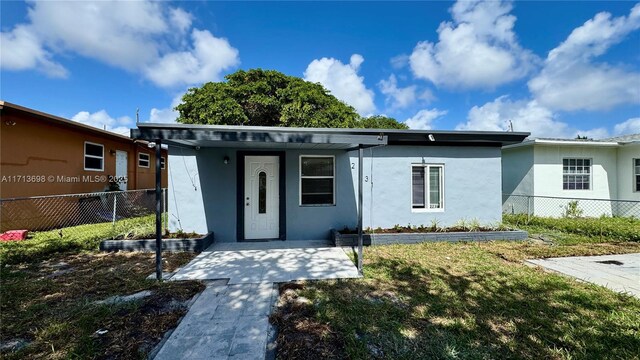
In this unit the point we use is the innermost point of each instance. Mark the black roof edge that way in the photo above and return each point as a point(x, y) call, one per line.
point(395, 136)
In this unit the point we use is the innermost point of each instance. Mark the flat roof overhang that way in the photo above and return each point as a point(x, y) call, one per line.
point(189, 135)
point(568, 142)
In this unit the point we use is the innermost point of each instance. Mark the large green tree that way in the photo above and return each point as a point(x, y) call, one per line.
point(269, 98)
point(381, 122)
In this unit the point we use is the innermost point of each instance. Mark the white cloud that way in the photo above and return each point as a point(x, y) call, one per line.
point(343, 81)
point(166, 115)
point(397, 98)
point(631, 126)
point(400, 61)
point(20, 49)
point(204, 62)
point(526, 116)
point(138, 36)
point(423, 119)
point(478, 49)
point(570, 80)
point(180, 19)
point(102, 120)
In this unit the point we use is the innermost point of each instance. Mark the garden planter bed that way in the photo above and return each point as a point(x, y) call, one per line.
point(173, 245)
point(340, 239)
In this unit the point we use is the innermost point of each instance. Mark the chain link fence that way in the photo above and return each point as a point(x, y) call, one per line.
point(116, 214)
point(549, 206)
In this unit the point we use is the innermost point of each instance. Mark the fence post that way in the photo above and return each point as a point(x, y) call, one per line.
point(115, 202)
point(528, 209)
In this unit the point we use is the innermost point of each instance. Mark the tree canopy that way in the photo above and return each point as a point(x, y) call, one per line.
point(269, 98)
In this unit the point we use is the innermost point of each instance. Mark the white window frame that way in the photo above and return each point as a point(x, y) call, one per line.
point(163, 163)
point(300, 177)
point(635, 174)
point(590, 173)
point(84, 165)
point(148, 160)
point(427, 188)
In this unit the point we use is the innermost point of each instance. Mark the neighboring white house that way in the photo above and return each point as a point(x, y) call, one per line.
point(547, 169)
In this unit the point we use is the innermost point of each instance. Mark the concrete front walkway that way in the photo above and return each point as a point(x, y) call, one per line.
point(274, 261)
point(230, 318)
point(620, 273)
point(225, 322)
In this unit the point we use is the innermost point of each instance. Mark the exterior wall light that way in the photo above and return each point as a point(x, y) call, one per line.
point(225, 160)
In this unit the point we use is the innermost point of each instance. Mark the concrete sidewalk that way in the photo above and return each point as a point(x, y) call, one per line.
point(619, 273)
point(225, 322)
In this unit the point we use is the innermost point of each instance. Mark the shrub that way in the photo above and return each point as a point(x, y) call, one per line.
point(571, 210)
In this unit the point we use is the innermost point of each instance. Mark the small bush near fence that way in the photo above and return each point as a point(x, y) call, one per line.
point(614, 228)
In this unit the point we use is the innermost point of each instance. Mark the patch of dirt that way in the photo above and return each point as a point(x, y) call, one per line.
point(45, 316)
point(300, 334)
point(380, 296)
point(132, 334)
point(541, 239)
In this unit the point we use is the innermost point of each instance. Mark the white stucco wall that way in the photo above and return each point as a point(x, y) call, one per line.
point(472, 185)
point(517, 170)
point(517, 178)
point(185, 205)
point(626, 180)
point(548, 179)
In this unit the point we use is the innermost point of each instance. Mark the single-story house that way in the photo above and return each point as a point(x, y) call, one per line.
point(554, 171)
point(44, 154)
point(252, 183)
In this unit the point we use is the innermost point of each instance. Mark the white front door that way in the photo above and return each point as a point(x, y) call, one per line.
point(261, 197)
point(121, 169)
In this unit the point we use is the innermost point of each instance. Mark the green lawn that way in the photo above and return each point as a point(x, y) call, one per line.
point(42, 244)
point(578, 230)
point(458, 301)
point(468, 301)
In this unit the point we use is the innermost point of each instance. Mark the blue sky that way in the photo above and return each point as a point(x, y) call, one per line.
point(552, 68)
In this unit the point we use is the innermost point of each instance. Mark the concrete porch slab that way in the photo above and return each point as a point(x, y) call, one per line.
point(619, 273)
point(274, 261)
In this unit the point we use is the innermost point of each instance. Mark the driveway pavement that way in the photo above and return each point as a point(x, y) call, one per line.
point(620, 273)
point(230, 318)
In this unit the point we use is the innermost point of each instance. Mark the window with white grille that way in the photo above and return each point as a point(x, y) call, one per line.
point(576, 174)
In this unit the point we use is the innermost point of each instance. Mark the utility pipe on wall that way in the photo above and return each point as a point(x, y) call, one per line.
point(360, 209)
